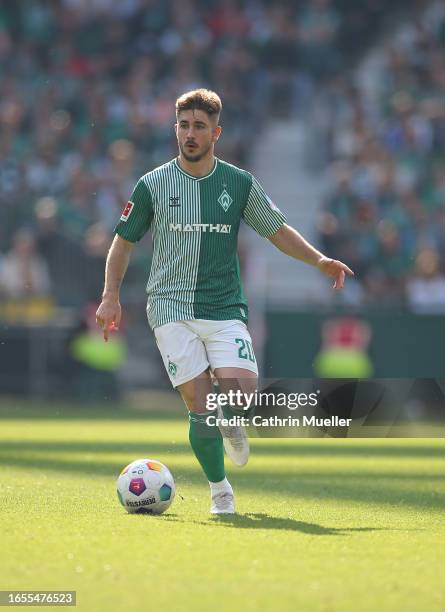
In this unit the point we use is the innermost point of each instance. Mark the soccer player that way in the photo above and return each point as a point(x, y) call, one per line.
point(196, 307)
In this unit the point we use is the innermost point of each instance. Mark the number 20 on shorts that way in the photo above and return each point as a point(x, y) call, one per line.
point(245, 350)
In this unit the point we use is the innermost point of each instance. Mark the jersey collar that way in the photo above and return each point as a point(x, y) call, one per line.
point(196, 178)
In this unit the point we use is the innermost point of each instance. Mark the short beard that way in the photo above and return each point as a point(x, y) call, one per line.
point(194, 158)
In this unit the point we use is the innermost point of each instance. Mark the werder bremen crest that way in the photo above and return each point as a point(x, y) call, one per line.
point(172, 368)
point(225, 200)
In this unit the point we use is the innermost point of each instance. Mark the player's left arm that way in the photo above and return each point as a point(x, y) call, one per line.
point(292, 243)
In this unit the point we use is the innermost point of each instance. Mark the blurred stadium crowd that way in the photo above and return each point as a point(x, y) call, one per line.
point(382, 130)
point(86, 106)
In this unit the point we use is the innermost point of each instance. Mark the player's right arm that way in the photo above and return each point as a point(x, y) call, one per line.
point(135, 221)
point(108, 314)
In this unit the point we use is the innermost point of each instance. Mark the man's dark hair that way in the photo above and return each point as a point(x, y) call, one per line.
point(200, 99)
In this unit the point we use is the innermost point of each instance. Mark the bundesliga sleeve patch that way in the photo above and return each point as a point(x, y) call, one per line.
point(127, 211)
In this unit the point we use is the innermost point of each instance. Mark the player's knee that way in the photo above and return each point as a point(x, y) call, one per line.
point(239, 392)
point(192, 403)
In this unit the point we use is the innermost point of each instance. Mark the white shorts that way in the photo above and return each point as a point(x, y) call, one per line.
point(188, 348)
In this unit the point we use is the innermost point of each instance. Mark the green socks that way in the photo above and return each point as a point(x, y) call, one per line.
point(207, 444)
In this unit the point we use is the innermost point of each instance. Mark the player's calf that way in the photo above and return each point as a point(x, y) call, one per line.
point(207, 443)
point(239, 387)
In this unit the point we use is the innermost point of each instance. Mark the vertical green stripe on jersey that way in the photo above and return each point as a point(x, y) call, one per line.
point(219, 293)
point(195, 222)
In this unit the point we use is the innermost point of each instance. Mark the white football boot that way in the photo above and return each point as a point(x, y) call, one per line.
point(235, 440)
point(223, 503)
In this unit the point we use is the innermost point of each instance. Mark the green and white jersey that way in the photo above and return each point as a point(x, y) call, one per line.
point(195, 222)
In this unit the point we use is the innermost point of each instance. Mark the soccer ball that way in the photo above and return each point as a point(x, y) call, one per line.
point(145, 486)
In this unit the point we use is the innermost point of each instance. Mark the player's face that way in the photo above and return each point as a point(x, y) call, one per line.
point(196, 134)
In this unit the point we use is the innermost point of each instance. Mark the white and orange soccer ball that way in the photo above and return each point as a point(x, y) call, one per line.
point(146, 486)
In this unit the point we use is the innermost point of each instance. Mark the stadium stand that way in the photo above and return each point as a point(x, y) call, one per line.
point(86, 92)
point(86, 95)
point(383, 136)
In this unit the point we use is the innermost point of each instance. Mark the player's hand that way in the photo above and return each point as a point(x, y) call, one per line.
point(335, 269)
point(108, 316)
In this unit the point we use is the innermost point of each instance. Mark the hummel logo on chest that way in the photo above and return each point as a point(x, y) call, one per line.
point(174, 201)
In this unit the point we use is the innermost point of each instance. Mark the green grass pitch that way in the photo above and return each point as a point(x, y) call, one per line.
point(323, 524)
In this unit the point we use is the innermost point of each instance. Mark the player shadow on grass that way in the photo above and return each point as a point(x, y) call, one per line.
point(260, 520)
point(393, 486)
point(377, 487)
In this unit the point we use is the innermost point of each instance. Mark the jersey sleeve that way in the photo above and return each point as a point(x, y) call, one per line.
point(261, 213)
point(137, 214)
